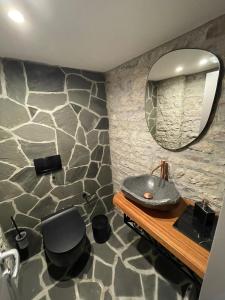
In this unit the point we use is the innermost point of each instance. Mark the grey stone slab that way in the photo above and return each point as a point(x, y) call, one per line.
point(25, 202)
point(92, 170)
point(117, 221)
point(95, 76)
point(98, 210)
point(26, 221)
point(12, 154)
point(127, 234)
point(106, 159)
point(35, 133)
point(105, 175)
point(65, 146)
point(4, 134)
point(62, 192)
point(166, 290)
point(98, 106)
point(76, 174)
point(141, 263)
point(76, 108)
point(29, 277)
point(8, 190)
point(14, 79)
point(92, 139)
point(37, 150)
point(58, 177)
point(105, 190)
point(79, 97)
point(89, 290)
point(12, 114)
point(88, 120)
point(70, 70)
point(43, 187)
point(44, 78)
point(97, 153)
point(7, 211)
point(32, 110)
point(75, 81)
point(108, 202)
point(66, 119)
point(91, 186)
point(169, 270)
point(44, 118)
point(126, 282)
point(104, 138)
point(63, 290)
point(46, 101)
point(103, 124)
point(80, 157)
point(94, 89)
point(104, 252)
point(44, 208)
point(26, 178)
point(103, 273)
point(107, 296)
point(149, 285)
point(136, 248)
point(80, 137)
point(114, 242)
point(6, 170)
point(101, 91)
point(74, 200)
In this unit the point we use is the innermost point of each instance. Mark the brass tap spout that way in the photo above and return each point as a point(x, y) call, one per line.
point(163, 170)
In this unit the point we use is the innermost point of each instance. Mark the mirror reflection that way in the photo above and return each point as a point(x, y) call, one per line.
point(180, 91)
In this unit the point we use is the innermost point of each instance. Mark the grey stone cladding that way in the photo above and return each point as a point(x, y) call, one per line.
point(47, 110)
point(125, 267)
point(198, 171)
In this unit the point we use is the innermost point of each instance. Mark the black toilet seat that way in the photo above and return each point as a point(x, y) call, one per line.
point(63, 231)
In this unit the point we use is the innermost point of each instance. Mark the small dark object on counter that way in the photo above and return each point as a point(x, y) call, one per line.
point(204, 213)
point(101, 228)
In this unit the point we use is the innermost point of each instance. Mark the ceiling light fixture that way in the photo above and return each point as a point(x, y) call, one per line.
point(203, 62)
point(179, 69)
point(16, 16)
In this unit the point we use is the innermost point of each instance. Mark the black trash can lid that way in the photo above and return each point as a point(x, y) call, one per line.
point(63, 230)
point(99, 222)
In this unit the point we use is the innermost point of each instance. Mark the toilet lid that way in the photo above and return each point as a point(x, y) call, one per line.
point(63, 230)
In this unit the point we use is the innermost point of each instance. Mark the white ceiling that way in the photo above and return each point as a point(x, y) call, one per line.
point(188, 59)
point(97, 34)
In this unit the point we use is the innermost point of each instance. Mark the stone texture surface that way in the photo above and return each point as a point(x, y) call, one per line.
point(45, 110)
point(101, 273)
point(35, 133)
point(12, 114)
point(134, 151)
point(46, 101)
point(44, 78)
point(15, 80)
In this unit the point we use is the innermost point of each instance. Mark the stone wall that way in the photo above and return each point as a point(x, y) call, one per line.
point(179, 109)
point(198, 170)
point(48, 110)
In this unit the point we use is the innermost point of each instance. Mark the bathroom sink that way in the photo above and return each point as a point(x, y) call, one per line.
point(162, 194)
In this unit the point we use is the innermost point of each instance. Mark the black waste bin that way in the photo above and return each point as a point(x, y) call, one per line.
point(101, 228)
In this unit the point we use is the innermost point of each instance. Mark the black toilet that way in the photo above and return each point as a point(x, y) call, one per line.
point(64, 237)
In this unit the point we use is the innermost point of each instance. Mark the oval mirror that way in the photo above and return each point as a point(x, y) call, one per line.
point(180, 91)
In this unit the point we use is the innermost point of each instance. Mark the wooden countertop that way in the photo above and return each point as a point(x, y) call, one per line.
point(160, 226)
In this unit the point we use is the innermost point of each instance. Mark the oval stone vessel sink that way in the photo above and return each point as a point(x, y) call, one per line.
point(151, 191)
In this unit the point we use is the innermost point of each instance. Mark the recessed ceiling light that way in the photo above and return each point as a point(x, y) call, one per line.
point(16, 16)
point(203, 62)
point(179, 69)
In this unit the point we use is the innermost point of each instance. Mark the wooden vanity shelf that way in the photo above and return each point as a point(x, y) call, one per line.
point(159, 225)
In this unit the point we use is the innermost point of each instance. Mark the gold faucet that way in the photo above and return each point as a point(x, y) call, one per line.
point(163, 170)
